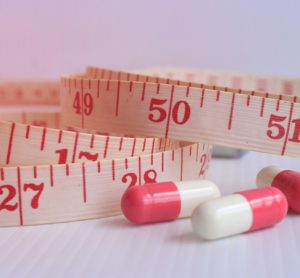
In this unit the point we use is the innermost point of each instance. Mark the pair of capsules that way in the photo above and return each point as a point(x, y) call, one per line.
point(214, 216)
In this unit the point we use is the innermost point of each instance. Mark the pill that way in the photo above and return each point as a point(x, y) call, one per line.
point(238, 213)
point(165, 201)
point(286, 180)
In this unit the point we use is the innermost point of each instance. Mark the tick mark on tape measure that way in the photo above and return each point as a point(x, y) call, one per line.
point(20, 196)
point(75, 146)
point(117, 99)
point(202, 97)
point(34, 172)
point(83, 182)
point(108, 85)
point(262, 107)
point(12, 130)
point(27, 132)
point(98, 166)
point(126, 163)
point(67, 169)
point(231, 112)
point(92, 141)
point(106, 146)
point(288, 128)
point(121, 143)
point(130, 86)
point(158, 88)
point(98, 88)
point(143, 92)
point(218, 96)
point(173, 155)
point(43, 139)
point(144, 145)
point(51, 175)
point(60, 136)
point(248, 100)
point(278, 102)
point(113, 169)
point(162, 161)
point(133, 147)
point(190, 150)
point(2, 174)
point(169, 112)
point(187, 90)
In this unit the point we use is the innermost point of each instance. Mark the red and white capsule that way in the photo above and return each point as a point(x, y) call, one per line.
point(165, 201)
point(238, 213)
point(286, 180)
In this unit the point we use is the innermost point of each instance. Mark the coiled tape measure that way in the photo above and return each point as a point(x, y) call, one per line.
point(52, 175)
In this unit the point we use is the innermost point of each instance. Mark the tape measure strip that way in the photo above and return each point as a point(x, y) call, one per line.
point(95, 171)
point(132, 104)
point(190, 112)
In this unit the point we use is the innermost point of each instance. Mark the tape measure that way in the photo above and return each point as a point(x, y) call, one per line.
point(80, 172)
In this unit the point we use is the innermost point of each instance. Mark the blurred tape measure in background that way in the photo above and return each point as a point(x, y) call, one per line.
point(76, 146)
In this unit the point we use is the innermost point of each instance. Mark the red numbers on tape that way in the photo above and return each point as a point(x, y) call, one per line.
point(159, 114)
point(63, 156)
point(149, 177)
point(83, 103)
point(277, 130)
point(9, 192)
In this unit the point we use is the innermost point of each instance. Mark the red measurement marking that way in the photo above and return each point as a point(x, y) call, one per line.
point(113, 169)
point(169, 113)
point(92, 141)
point(34, 172)
point(133, 147)
point(126, 163)
point(262, 106)
point(295, 99)
point(107, 85)
point(288, 129)
point(248, 100)
point(190, 150)
point(181, 164)
point(98, 166)
point(98, 88)
point(43, 139)
point(160, 142)
point(51, 175)
point(144, 145)
point(106, 146)
point(278, 102)
point(121, 143)
point(83, 182)
point(12, 130)
point(27, 132)
point(173, 155)
point(218, 96)
point(130, 86)
point(60, 136)
point(89, 83)
point(75, 147)
point(162, 161)
point(20, 196)
point(157, 88)
point(187, 91)
point(152, 148)
point(231, 112)
point(140, 170)
point(118, 99)
point(67, 169)
point(2, 174)
point(202, 97)
point(151, 159)
point(143, 92)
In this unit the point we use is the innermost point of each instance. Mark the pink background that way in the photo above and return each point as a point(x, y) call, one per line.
point(44, 39)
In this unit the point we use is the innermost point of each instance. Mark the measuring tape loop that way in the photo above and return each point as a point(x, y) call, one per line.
point(64, 163)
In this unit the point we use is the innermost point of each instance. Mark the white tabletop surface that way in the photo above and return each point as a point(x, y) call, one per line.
point(112, 247)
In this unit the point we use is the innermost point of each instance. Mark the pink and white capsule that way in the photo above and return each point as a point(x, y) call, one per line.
point(238, 213)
